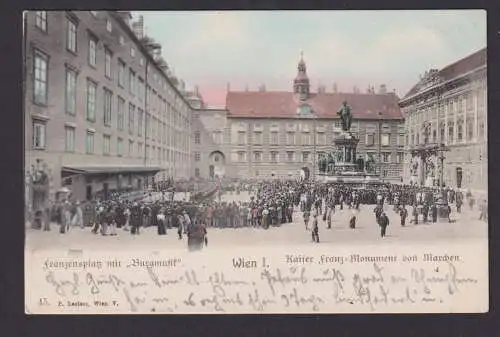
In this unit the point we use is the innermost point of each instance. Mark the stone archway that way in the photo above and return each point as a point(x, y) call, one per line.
point(216, 165)
point(305, 173)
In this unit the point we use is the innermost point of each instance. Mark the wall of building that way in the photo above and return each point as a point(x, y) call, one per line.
point(466, 106)
point(166, 137)
point(240, 151)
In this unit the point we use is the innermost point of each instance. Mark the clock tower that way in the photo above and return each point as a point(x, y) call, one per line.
point(301, 81)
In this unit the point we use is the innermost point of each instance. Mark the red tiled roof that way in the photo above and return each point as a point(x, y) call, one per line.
point(458, 68)
point(272, 104)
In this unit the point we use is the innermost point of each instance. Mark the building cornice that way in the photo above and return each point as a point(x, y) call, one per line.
point(407, 100)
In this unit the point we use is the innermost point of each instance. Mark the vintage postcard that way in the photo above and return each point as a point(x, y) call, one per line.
point(255, 162)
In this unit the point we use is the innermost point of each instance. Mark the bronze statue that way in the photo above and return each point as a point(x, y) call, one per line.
point(345, 116)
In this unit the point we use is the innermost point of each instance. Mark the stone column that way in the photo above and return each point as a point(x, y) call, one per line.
point(445, 140)
point(475, 105)
point(464, 125)
point(455, 123)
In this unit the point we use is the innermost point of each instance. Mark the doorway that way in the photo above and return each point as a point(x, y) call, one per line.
point(211, 172)
point(459, 177)
point(88, 193)
point(306, 173)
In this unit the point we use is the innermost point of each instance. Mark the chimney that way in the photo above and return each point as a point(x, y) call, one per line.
point(196, 90)
point(335, 89)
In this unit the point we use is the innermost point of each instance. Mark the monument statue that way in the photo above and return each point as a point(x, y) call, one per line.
point(345, 116)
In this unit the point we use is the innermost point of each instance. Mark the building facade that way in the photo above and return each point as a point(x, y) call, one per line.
point(266, 134)
point(102, 111)
point(451, 104)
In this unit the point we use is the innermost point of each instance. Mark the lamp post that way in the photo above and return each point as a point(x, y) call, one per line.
point(379, 142)
point(314, 147)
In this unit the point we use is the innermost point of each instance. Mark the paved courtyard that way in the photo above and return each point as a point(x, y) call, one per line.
point(466, 226)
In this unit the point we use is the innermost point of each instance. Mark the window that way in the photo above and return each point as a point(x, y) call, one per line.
point(401, 139)
point(140, 149)
point(140, 117)
point(107, 63)
point(141, 61)
point(41, 20)
point(92, 51)
point(386, 157)
point(441, 133)
point(274, 138)
point(119, 147)
point(197, 137)
point(321, 138)
point(434, 135)
point(140, 91)
point(109, 26)
point(132, 52)
point(122, 68)
point(197, 172)
point(130, 148)
point(131, 112)
point(241, 138)
point(70, 92)
point(290, 138)
point(122, 40)
point(132, 82)
point(40, 91)
point(470, 130)
point(120, 114)
point(400, 157)
point(106, 145)
point(257, 137)
point(370, 141)
point(196, 156)
point(460, 131)
point(89, 143)
point(305, 156)
point(108, 96)
point(69, 138)
point(71, 36)
point(241, 156)
point(450, 132)
point(217, 136)
point(385, 139)
point(38, 135)
point(274, 157)
point(91, 100)
point(257, 156)
point(289, 156)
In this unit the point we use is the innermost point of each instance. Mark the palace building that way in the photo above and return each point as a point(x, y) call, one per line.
point(272, 134)
point(102, 109)
point(449, 107)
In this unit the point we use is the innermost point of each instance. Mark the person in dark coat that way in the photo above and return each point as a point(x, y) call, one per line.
point(315, 229)
point(383, 222)
point(434, 213)
point(403, 213)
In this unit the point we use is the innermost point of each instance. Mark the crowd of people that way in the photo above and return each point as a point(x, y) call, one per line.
point(271, 203)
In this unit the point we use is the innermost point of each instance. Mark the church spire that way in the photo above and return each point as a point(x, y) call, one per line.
point(301, 82)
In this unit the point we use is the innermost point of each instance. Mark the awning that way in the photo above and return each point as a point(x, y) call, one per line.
point(110, 169)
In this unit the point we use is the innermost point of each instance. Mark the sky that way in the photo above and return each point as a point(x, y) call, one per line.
point(350, 48)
